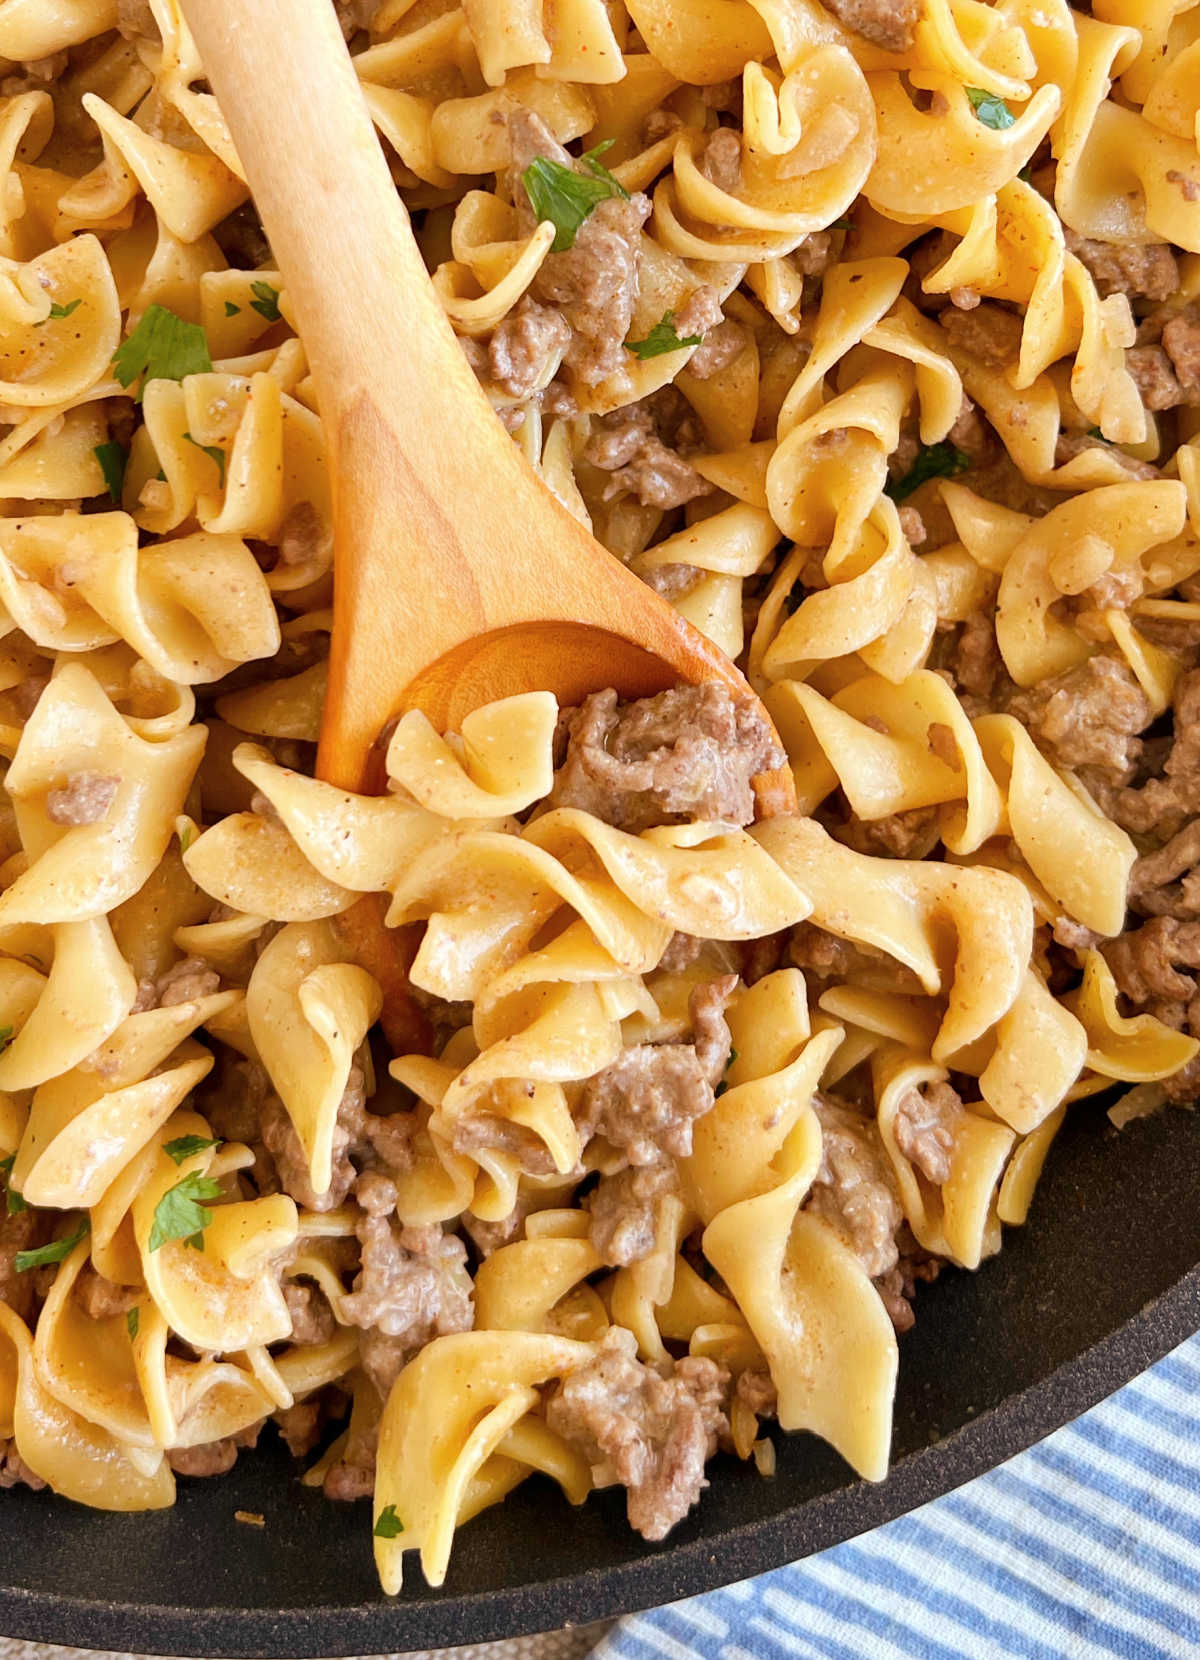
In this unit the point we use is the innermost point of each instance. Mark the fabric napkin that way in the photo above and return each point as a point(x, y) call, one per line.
point(1087, 1545)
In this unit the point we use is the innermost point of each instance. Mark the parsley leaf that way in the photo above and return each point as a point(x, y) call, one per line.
point(936, 461)
point(14, 1203)
point(214, 452)
point(389, 1525)
point(232, 310)
point(186, 839)
point(184, 1146)
point(57, 311)
point(133, 1320)
point(992, 111)
point(564, 197)
point(46, 1254)
point(179, 1213)
point(265, 301)
point(113, 460)
point(162, 347)
point(662, 338)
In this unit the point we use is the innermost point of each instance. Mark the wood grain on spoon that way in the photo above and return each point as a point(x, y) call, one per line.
point(459, 578)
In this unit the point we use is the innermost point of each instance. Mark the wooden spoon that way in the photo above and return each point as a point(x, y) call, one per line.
point(459, 578)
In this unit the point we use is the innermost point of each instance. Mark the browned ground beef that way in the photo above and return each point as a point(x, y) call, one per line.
point(1151, 966)
point(100, 1298)
point(652, 1431)
point(887, 23)
point(1088, 718)
point(855, 1190)
point(1071, 444)
point(625, 1211)
point(485, 1131)
point(828, 960)
point(413, 1284)
point(360, 1137)
point(525, 345)
point(641, 446)
point(1149, 271)
point(594, 283)
point(926, 1120)
point(721, 159)
point(1161, 807)
point(645, 1103)
point(989, 332)
point(300, 1427)
point(14, 1472)
point(214, 1458)
point(312, 1317)
point(24, 1231)
point(1154, 377)
point(687, 754)
point(897, 1287)
point(1181, 342)
point(302, 535)
point(908, 835)
point(1167, 883)
point(84, 799)
point(756, 1388)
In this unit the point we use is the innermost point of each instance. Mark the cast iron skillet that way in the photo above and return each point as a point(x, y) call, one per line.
point(1103, 1281)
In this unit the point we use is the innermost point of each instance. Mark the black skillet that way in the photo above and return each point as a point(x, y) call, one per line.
point(1102, 1282)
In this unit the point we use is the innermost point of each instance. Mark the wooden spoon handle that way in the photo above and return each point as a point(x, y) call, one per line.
point(339, 232)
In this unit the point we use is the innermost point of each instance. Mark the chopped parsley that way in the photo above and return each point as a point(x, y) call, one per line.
point(47, 1254)
point(662, 338)
point(180, 1214)
point(389, 1525)
point(133, 1320)
point(6, 1037)
point(265, 301)
point(186, 839)
point(14, 1203)
point(162, 347)
point(232, 310)
point(566, 197)
point(935, 461)
point(992, 111)
point(113, 461)
point(187, 1146)
point(214, 452)
point(57, 311)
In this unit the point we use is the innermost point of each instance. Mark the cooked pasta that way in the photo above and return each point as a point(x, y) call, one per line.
point(868, 334)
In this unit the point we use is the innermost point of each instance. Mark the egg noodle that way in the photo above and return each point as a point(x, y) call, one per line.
point(868, 334)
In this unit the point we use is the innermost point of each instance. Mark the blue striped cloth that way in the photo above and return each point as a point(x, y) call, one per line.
point(1085, 1546)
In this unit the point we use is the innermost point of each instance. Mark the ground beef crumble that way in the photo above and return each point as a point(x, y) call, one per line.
point(652, 1431)
point(413, 1284)
point(890, 24)
point(855, 1189)
point(690, 753)
point(594, 283)
point(643, 447)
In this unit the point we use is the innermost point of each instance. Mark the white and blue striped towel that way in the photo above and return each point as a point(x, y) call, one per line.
point(1086, 1546)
